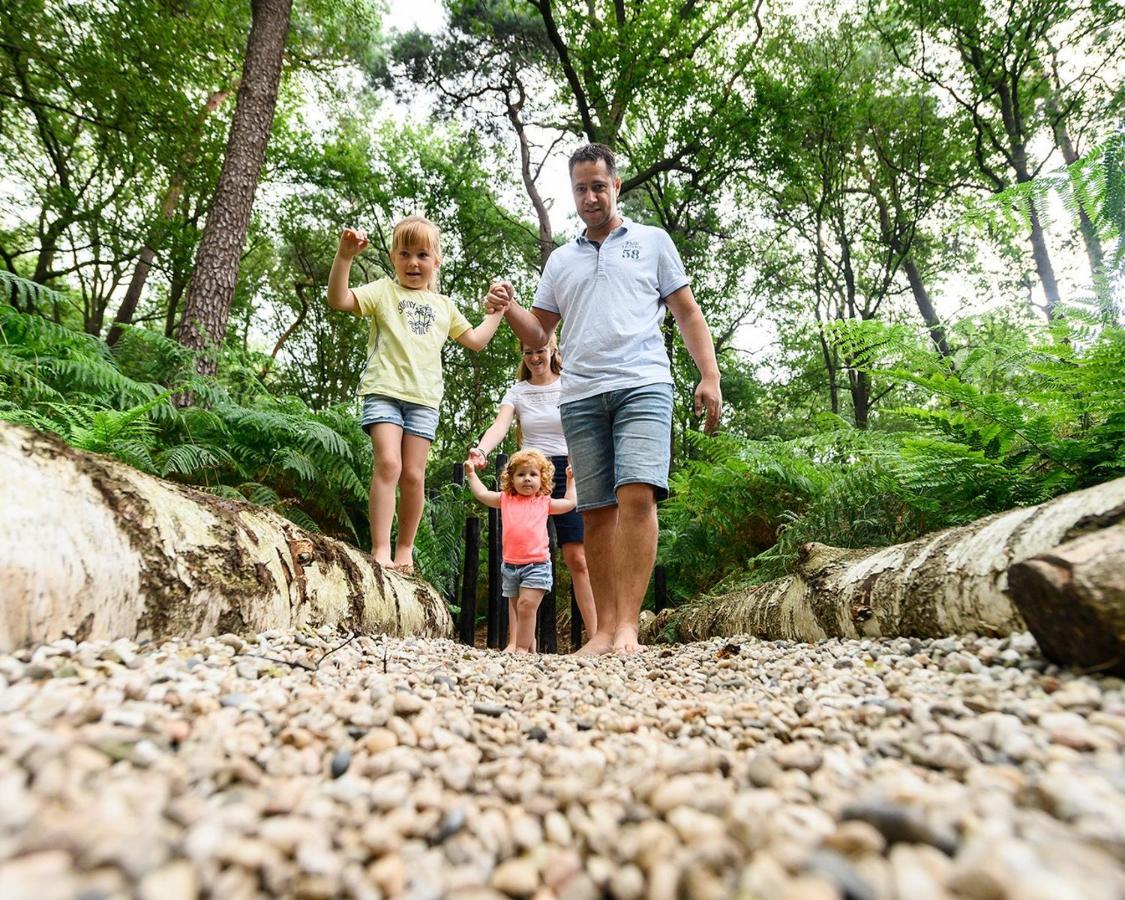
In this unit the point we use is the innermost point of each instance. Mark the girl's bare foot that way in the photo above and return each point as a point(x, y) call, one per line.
point(386, 562)
point(404, 569)
point(511, 648)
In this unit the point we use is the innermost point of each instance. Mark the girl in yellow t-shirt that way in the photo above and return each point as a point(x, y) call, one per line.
point(401, 384)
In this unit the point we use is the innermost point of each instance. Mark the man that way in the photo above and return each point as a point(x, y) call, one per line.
point(610, 287)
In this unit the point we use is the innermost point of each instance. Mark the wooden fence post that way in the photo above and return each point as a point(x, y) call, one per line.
point(466, 630)
point(546, 619)
point(497, 603)
point(660, 589)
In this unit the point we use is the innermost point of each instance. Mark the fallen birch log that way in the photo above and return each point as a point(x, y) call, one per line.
point(951, 582)
point(91, 548)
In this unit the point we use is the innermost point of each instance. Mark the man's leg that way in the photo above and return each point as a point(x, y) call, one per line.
point(642, 428)
point(635, 541)
point(601, 528)
point(588, 425)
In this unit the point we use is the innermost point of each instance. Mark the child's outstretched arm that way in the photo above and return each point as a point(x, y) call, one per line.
point(478, 338)
point(569, 500)
point(353, 241)
point(480, 492)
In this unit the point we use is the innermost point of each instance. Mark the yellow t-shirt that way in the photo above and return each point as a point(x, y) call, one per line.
point(404, 343)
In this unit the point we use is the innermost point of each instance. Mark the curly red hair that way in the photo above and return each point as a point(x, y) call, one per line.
point(533, 457)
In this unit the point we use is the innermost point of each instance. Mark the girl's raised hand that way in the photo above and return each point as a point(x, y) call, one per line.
point(352, 242)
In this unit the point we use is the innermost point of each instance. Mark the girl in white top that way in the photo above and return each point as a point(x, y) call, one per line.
point(533, 402)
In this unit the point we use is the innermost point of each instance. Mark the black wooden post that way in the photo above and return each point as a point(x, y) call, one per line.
point(454, 597)
point(660, 589)
point(546, 619)
point(497, 602)
point(575, 620)
point(494, 597)
point(468, 621)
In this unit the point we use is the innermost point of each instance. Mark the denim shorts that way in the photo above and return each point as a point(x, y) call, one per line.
point(619, 437)
point(413, 418)
point(536, 575)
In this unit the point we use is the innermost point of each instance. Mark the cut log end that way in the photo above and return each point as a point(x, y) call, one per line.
point(1073, 599)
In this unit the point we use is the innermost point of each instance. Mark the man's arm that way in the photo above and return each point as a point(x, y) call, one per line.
point(697, 338)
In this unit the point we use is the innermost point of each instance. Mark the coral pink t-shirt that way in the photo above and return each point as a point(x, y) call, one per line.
point(525, 528)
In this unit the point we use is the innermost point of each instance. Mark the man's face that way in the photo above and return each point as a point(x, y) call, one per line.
point(595, 193)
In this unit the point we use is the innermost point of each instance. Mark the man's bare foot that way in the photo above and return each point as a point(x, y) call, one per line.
point(598, 645)
point(625, 641)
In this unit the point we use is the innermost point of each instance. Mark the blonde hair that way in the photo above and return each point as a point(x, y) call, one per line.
point(523, 373)
point(525, 457)
point(418, 231)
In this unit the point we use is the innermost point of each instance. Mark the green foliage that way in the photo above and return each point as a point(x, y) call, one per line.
point(310, 466)
point(970, 445)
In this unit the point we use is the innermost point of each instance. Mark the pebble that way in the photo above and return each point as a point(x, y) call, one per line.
point(865, 770)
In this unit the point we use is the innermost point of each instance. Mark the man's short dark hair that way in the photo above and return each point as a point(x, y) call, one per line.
point(592, 153)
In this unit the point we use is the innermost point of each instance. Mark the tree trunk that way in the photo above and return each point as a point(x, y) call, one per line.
point(93, 549)
point(542, 215)
point(1073, 599)
point(209, 296)
point(949, 582)
point(926, 307)
point(1042, 257)
point(128, 307)
point(1087, 228)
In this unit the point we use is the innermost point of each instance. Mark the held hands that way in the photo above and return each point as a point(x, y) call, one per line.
point(353, 241)
point(476, 460)
point(499, 297)
point(709, 399)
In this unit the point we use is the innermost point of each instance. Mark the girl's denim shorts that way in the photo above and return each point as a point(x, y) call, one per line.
point(413, 418)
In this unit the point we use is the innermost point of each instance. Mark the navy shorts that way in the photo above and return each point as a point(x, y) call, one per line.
point(568, 525)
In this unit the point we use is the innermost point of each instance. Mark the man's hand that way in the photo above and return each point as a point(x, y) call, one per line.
point(352, 242)
point(709, 399)
point(500, 295)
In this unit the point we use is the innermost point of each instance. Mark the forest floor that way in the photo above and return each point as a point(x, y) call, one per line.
point(233, 767)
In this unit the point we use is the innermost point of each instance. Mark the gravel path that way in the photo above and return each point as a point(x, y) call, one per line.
point(895, 769)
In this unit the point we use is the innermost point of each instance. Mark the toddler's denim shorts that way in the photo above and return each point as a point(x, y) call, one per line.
point(536, 575)
point(619, 437)
point(413, 418)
